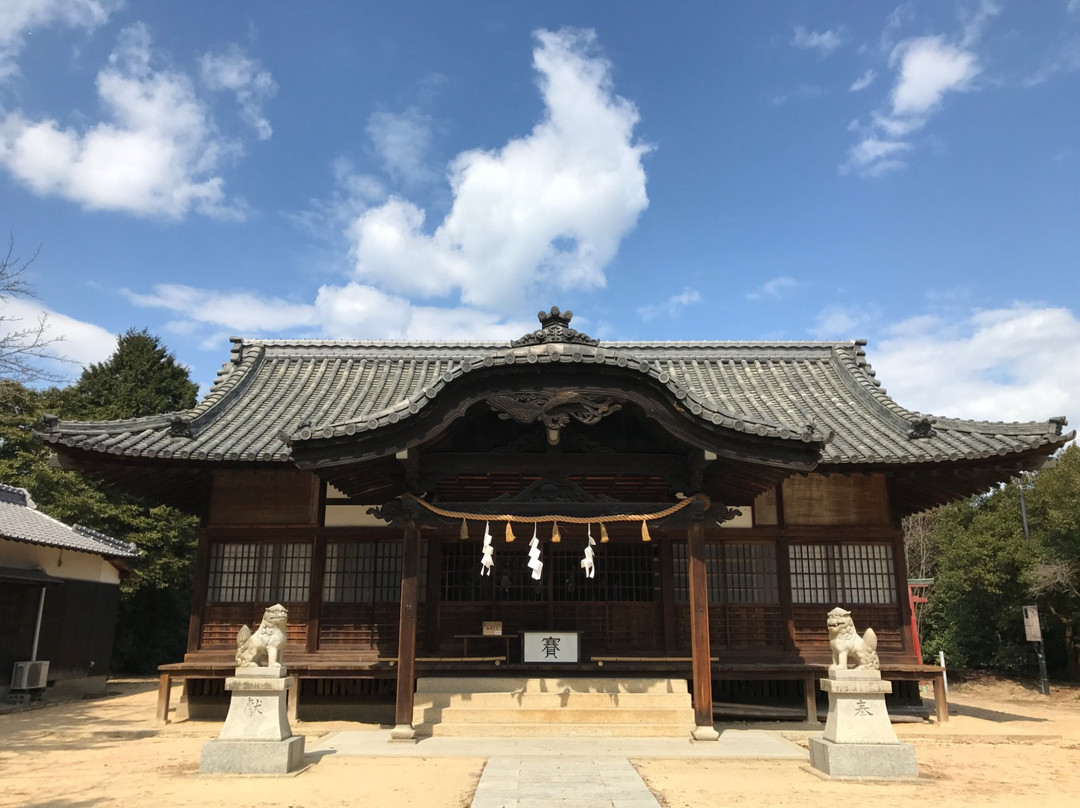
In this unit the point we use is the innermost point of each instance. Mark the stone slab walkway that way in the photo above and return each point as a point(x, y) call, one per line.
point(743, 743)
point(541, 782)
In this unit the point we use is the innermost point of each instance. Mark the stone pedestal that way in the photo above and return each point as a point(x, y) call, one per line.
point(859, 740)
point(256, 737)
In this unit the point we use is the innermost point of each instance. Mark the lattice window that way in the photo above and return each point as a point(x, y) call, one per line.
point(259, 573)
point(842, 573)
point(460, 579)
point(735, 573)
point(368, 572)
point(625, 573)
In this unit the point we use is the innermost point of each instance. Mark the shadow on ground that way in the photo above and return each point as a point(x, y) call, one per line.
point(991, 715)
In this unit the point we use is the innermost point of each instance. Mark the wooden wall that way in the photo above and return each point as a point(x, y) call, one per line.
point(264, 497)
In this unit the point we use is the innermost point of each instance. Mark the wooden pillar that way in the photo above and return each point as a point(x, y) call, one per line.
point(783, 582)
point(903, 597)
point(315, 592)
point(434, 593)
point(406, 667)
point(198, 595)
point(699, 629)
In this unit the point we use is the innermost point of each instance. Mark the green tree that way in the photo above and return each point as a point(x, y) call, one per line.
point(156, 596)
point(140, 378)
point(1054, 517)
point(982, 567)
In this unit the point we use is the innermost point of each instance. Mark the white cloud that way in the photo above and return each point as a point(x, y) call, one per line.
point(1010, 363)
point(20, 17)
point(863, 81)
point(872, 157)
point(775, 288)
point(359, 311)
point(402, 141)
point(926, 69)
point(82, 342)
point(546, 211)
point(232, 70)
point(672, 306)
point(157, 155)
point(823, 41)
point(242, 311)
point(840, 323)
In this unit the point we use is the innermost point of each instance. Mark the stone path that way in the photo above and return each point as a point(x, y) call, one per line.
point(542, 782)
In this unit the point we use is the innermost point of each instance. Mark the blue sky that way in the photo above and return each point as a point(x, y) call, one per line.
point(702, 171)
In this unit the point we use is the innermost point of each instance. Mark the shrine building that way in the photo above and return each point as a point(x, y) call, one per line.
point(698, 508)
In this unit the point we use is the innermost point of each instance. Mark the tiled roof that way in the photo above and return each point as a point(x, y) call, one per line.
point(21, 521)
point(273, 392)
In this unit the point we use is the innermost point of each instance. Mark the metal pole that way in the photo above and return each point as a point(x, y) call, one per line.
point(37, 625)
point(1044, 682)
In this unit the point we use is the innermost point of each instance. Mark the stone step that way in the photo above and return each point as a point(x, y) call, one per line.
point(513, 684)
point(547, 729)
point(552, 701)
point(565, 715)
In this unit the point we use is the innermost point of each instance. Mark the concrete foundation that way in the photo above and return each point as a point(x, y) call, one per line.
point(867, 760)
point(221, 756)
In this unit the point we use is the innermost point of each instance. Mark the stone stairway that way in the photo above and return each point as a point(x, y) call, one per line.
point(583, 707)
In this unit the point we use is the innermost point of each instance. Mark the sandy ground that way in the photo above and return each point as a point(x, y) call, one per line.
point(1005, 745)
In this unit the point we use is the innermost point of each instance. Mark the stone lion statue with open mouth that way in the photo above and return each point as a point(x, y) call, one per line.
point(844, 641)
point(262, 646)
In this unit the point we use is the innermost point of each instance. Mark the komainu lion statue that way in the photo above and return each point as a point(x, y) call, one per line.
point(262, 646)
point(844, 641)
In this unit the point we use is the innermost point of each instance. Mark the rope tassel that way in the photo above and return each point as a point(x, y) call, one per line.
point(509, 533)
point(603, 534)
point(464, 533)
point(645, 531)
point(556, 537)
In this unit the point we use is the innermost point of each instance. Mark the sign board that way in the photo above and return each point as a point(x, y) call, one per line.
point(492, 628)
point(550, 646)
point(1031, 624)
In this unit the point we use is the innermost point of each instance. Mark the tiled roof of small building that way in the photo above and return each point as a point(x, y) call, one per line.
point(274, 392)
point(21, 521)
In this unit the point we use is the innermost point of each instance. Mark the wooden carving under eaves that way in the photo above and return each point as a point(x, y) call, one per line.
point(554, 327)
point(555, 410)
point(553, 490)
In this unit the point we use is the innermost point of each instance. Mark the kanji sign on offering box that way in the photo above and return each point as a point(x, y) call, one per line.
point(550, 646)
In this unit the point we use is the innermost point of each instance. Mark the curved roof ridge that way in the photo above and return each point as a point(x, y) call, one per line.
point(862, 373)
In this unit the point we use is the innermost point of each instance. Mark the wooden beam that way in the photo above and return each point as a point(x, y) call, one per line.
point(699, 625)
point(444, 464)
point(406, 671)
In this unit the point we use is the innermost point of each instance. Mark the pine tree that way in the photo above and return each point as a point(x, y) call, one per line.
point(140, 378)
